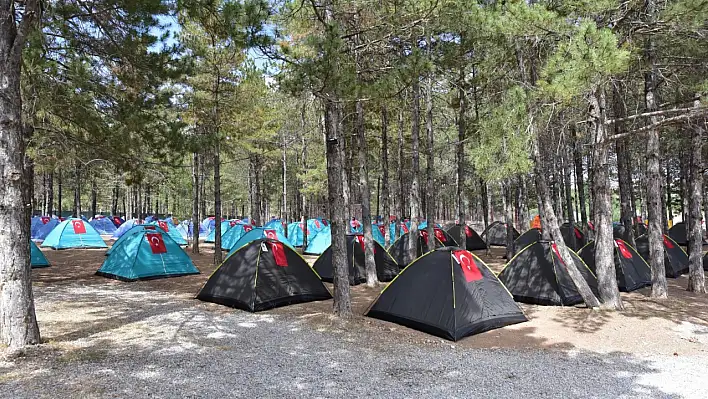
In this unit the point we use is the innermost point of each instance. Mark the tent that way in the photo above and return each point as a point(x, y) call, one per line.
point(618, 230)
point(386, 266)
point(404, 226)
point(573, 236)
point(632, 271)
point(225, 226)
point(103, 225)
point(538, 275)
point(449, 293)
point(399, 248)
point(678, 234)
point(137, 229)
point(234, 234)
point(129, 224)
point(316, 225)
point(36, 223)
point(262, 275)
point(207, 225)
point(37, 258)
point(675, 258)
point(43, 231)
point(277, 225)
point(73, 233)
point(495, 234)
point(295, 233)
point(529, 237)
point(320, 242)
point(258, 233)
point(379, 233)
point(117, 221)
point(472, 240)
point(171, 231)
point(146, 254)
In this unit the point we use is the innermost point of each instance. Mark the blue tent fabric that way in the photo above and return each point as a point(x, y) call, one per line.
point(103, 225)
point(225, 226)
point(256, 234)
point(136, 259)
point(68, 234)
point(150, 218)
point(117, 221)
point(37, 258)
point(316, 225)
point(233, 235)
point(320, 242)
point(129, 224)
point(295, 234)
point(356, 226)
point(207, 225)
point(277, 225)
point(172, 232)
point(401, 231)
point(44, 230)
point(137, 229)
point(378, 236)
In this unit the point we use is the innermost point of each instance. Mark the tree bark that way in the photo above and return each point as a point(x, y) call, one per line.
point(94, 195)
point(604, 241)
point(50, 194)
point(579, 177)
point(385, 193)
point(696, 278)
point(77, 189)
point(217, 201)
point(401, 185)
point(460, 161)
point(284, 212)
point(429, 185)
point(195, 202)
point(568, 196)
point(415, 170)
point(509, 219)
point(624, 171)
point(372, 279)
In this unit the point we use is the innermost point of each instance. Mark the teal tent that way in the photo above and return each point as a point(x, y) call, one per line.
point(73, 233)
point(404, 226)
point(295, 233)
point(378, 231)
point(320, 242)
point(136, 229)
point(256, 234)
point(149, 254)
point(277, 225)
point(171, 231)
point(37, 257)
point(226, 225)
point(229, 238)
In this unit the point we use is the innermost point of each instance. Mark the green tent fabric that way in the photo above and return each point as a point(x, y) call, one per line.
point(147, 255)
point(38, 260)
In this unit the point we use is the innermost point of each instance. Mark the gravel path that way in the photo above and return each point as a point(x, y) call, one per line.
point(123, 342)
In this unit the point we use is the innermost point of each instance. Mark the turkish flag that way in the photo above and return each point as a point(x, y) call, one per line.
point(79, 227)
point(667, 243)
point(555, 249)
point(468, 231)
point(163, 226)
point(424, 234)
point(324, 222)
point(360, 239)
point(278, 253)
point(149, 227)
point(301, 226)
point(623, 249)
point(247, 228)
point(271, 234)
point(440, 235)
point(578, 235)
point(469, 268)
point(404, 227)
point(382, 230)
point(232, 223)
point(317, 223)
point(45, 220)
point(157, 244)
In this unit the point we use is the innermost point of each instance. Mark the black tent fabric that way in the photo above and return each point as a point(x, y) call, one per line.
point(449, 293)
point(618, 230)
point(631, 269)
point(675, 259)
point(572, 236)
point(262, 275)
point(399, 248)
point(495, 234)
point(678, 233)
point(538, 275)
point(529, 237)
point(473, 241)
point(386, 266)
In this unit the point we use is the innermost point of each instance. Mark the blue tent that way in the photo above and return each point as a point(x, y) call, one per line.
point(275, 224)
point(295, 235)
point(129, 224)
point(148, 254)
point(74, 233)
point(207, 225)
point(378, 235)
point(117, 221)
point(320, 242)
point(225, 226)
point(402, 230)
point(44, 230)
point(234, 234)
point(172, 232)
point(37, 258)
point(137, 229)
point(256, 234)
point(316, 225)
point(355, 226)
point(103, 225)
point(35, 224)
point(150, 218)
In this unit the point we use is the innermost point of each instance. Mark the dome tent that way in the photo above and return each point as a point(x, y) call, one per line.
point(675, 258)
point(258, 233)
point(386, 266)
point(262, 275)
point(449, 293)
point(320, 242)
point(495, 234)
point(103, 225)
point(473, 241)
point(632, 271)
point(233, 235)
point(172, 232)
point(74, 233)
point(37, 258)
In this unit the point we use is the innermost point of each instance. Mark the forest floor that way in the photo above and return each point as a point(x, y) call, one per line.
point(105, 338)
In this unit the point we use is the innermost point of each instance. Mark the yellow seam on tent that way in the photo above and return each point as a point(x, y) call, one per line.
point(255, 279)
point(215, 270)
point(454, 302)
point(636, 252)
point(583, 247)
point(514, 257)
point(675, 243)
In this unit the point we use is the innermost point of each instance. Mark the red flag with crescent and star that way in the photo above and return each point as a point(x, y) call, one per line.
point(439, 235)
point(271, 234)
point(247, 228)
point(360, 240)
point(317, 223)
point(78, 226)
point(469, 267)
point(278, 253)
point(157, 244)
point(623, 249)
point(468, 231)
point(382, 230)
point(232, 223)
point(45, 219)
point(404, 227)
point(163, 225)
point(667, 243)
point(424, 234)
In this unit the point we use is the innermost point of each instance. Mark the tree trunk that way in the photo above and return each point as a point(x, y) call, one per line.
point(429, 185)
point(460, 161)
point(195, 202)
point(568, 197)
point(94, 199)
point(414, 188)
point(696, 278)
point(401, 186)
point(579, 177)
point(485, 206)
point(335, 183)
point(385, 193)
point(202, 187)
point(18, 323)
point(50, 194)
point(369, 263)
point(217, 202)
point(77, 189)
point(509, 219)
point(604, 242)
point(653, 174)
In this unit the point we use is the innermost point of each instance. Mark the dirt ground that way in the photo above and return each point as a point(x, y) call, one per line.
point(675, 326)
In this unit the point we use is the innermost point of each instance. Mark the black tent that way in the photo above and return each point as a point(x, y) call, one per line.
point(675, 259)
point(572, 236)
point(618, 230)
point(538, 275)
point(386, 267)
point(495, 234)
point(529, 237)
point(472, 240)
point(632, 271)
point(261, 275)
point(678, 233)
point(450, 293)
point(399, 248)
